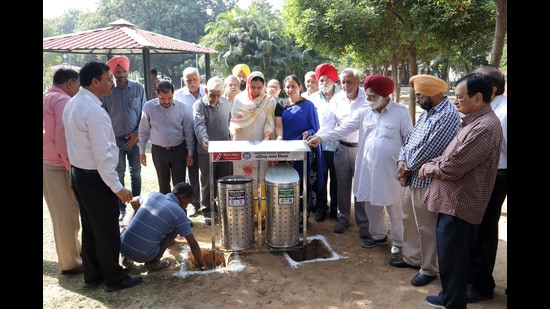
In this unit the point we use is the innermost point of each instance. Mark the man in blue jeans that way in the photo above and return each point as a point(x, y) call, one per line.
point(124, 106)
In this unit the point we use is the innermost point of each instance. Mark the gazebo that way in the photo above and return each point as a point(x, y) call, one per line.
point(124, 38)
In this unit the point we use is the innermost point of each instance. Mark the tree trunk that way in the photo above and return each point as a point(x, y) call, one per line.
point(414, 71)
point(501, 28)
point(395, 77)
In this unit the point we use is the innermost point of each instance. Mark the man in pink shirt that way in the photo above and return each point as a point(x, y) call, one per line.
point(61, 201)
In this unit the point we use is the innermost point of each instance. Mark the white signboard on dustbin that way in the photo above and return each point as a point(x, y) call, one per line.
point(268, 150)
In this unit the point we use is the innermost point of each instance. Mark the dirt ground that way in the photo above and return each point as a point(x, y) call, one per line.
point(359, 278)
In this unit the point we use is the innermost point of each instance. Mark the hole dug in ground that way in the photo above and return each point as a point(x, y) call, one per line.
point(220, 261)
point(315, 249)
point(224, 261)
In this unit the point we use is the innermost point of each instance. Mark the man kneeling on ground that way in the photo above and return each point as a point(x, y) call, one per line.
point(158, 219)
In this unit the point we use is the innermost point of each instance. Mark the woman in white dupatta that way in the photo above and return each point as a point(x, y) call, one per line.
point(253, 119)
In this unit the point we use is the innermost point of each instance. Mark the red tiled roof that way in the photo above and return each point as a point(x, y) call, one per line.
point(122, 37)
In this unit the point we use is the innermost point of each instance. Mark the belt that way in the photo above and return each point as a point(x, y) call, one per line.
point(85, 171)
point(168, 147)
point(348, 144)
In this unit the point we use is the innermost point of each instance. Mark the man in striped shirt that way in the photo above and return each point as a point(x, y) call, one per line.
point(158, 219)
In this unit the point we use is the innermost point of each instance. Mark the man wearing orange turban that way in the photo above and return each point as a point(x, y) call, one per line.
point(428, 85)
point(124, 106)
point(242, 71)
point(436, 127)
point(431, 88)
point(123, 61)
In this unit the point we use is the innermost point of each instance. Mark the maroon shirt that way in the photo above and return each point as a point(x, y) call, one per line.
point(464, 175)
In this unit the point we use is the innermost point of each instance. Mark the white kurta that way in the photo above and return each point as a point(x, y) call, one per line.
point(381, 136)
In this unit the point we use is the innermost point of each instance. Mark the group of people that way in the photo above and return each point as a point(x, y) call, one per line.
point(433, 179)
point(442, 181)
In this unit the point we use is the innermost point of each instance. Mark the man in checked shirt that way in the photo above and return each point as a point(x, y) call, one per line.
point(462, 181)
point(434, 130)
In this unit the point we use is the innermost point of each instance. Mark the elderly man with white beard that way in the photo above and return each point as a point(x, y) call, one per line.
point(383, 126)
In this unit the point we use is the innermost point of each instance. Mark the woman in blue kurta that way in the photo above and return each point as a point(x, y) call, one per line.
point(300, 120)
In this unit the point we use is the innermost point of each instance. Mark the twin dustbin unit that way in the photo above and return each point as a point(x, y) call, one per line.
point(236, 201)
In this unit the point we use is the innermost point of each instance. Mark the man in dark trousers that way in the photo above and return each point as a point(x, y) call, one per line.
point(93, 153)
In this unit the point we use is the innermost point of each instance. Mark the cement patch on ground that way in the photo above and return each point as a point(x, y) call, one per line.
point(232, 264)
point(333, 256)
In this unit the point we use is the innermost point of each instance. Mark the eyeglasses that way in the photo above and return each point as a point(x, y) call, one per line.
point(273, 87)
point(417, 95)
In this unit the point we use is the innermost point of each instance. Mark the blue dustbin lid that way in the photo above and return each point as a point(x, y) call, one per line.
point(282, 173)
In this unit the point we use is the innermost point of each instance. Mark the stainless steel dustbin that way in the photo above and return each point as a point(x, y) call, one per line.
point(236, 201)
point(283, 203)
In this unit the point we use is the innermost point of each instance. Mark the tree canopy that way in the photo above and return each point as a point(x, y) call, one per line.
point(375, 36)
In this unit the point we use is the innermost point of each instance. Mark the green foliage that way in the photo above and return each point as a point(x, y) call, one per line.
point(371, 33)
point(256, 36)
point(367, 34)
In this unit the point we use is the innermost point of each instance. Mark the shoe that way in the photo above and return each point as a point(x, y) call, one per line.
point(396, 253)
point(129, 282)
point(371, 242)
point(92, 284)
point(341, 226)
point(158, 265)
point(399, 263)
point(473, 296)
point(207, 221)
point(320, 216)
point(364, 232)
point(422, 279)
point(435, 301)
point(77, 270)
point(126, 262)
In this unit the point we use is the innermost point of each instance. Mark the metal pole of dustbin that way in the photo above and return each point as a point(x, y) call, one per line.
point(213, 216)
point(305, 181)
point(259, 203)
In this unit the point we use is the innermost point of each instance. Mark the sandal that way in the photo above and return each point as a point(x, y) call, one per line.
point(126, 262)
point(158, 265)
